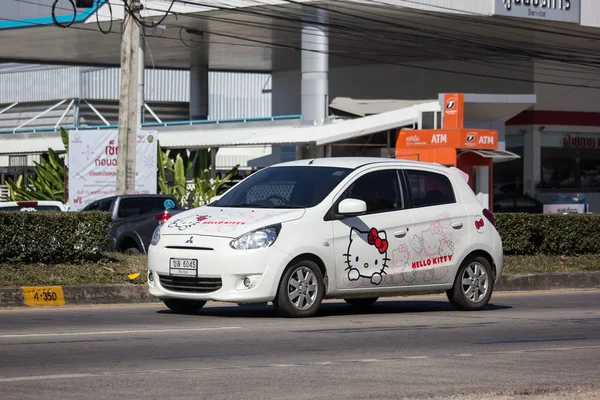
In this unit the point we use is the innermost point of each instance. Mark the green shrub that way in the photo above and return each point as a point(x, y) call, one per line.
point(53, 237)
point(552, 234)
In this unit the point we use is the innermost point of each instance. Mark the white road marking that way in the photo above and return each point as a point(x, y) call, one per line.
point(299, 365)
point(26, 335)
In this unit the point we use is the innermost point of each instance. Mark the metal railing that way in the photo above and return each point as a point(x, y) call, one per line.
point(149, 124)
point(3, 191)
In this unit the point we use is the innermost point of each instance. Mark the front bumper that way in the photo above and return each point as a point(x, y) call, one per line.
point(221, 270)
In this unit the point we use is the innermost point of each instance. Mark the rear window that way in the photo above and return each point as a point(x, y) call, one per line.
point(31, 208)
point(429, 188)
point(141, 205)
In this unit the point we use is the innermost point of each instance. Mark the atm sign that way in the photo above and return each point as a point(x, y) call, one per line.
point(475, 139)
point(484, 139)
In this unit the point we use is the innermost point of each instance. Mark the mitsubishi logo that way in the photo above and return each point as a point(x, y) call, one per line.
point(190, 240)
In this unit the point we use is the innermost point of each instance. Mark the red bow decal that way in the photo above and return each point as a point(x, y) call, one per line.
point(375, 240)
point(479, 224)
point(201, 218)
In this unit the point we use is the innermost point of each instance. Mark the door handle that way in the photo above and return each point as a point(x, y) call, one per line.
point(400, 234)
point(457, 225)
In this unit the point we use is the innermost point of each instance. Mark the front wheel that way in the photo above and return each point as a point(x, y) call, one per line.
point(473, 285)
point(184, 306)
point(300, 291)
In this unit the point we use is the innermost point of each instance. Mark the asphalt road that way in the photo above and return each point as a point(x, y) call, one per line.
point(401, 348)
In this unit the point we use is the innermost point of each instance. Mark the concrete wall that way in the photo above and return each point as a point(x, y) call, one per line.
point(420, 81)
point(552, 97)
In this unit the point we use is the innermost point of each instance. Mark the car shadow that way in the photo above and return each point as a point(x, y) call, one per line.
point(336, 309)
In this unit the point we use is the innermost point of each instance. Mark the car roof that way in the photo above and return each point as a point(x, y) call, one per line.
point(354, 162)
point(125, 196)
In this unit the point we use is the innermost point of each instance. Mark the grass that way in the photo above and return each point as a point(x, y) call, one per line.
point(514, 265)
point(117, 267)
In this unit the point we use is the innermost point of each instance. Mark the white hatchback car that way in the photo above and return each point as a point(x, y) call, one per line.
point(350, 228)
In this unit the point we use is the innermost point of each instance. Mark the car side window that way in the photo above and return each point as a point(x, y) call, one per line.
point(379, 189)
point(430, 188)
point(128, 207)
point(105, 205)
point(93, 207)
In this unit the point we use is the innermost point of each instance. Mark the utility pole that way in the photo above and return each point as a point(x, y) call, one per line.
point(128, 101)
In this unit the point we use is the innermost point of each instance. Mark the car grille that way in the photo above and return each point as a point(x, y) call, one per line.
point(190, 285)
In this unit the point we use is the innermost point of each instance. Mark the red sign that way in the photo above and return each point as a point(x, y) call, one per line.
point(454, 109)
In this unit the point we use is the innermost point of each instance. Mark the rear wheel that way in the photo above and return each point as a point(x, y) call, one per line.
point(184, 306)
point(473, 285)
point(300, 291)
point(362, 302)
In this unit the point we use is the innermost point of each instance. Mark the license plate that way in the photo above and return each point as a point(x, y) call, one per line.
point(183, 267)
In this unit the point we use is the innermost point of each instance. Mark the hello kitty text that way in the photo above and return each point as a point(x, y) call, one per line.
point(431, 261)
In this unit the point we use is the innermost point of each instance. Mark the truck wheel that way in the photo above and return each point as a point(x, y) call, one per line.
point(473, 285)
point(132, 251)
point(184, 306)
point(361, 302)
point(301, 290)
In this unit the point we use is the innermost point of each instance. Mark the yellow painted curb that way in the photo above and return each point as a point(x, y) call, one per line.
point(36, 296)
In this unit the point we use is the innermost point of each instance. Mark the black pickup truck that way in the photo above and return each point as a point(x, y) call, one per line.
point(135, 217)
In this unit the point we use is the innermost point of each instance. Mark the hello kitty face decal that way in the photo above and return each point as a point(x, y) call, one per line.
point(367, 255)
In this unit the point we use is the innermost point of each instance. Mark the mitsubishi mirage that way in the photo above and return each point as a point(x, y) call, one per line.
point(349, 228)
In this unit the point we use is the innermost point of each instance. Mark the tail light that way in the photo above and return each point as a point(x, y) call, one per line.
point(161, 218)
point(27, 203)
point(490, 217)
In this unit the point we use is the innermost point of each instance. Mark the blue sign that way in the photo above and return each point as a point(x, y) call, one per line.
point(169, 204)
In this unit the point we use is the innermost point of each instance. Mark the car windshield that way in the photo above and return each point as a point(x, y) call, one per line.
point(284, 187)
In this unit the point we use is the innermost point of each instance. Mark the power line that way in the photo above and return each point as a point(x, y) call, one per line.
point(267, 44)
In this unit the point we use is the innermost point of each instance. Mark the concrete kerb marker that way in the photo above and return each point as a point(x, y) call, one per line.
point(41, 296)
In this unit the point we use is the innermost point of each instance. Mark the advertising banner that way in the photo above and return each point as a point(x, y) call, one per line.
point(93, 165)
point(566, 204)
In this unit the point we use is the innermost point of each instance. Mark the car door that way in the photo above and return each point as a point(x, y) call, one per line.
point(370, 248)
point(439, 224)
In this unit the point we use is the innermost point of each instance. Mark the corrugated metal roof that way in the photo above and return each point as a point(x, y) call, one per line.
point(231, 94)
point(160, 84)
point(39, 85)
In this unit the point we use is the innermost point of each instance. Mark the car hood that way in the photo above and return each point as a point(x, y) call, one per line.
point(226, 222)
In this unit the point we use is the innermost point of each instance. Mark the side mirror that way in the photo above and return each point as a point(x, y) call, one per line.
point(351, 207)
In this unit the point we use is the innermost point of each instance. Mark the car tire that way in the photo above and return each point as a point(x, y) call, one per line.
point(473, 285)
point(362, 301)
point(301, 290)
point(132, 251)
point(184, 306)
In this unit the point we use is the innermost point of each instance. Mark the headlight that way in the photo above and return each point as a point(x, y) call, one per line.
point(257, 239)
point(156, 236)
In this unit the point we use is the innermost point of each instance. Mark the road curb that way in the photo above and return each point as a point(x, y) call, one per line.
point(564, 280)
point(13, 297)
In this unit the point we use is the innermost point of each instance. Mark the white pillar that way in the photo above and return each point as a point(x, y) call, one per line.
point(482, 185)
point(532, 160)
point(199, 91)
point(315, 66)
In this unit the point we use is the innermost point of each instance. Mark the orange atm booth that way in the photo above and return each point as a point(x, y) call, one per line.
point(471, 150)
